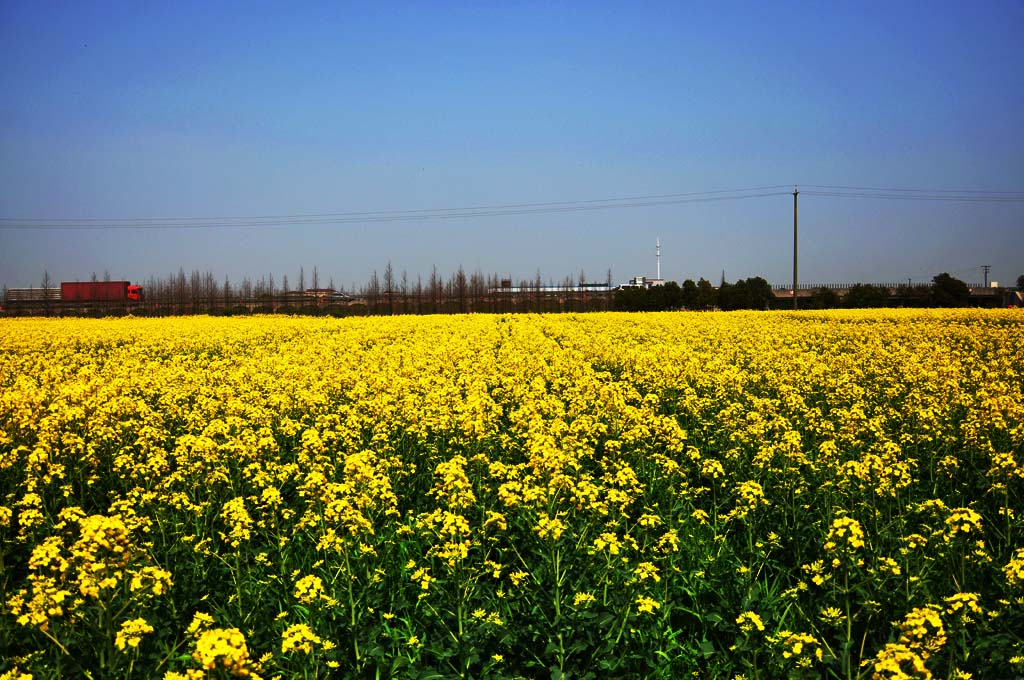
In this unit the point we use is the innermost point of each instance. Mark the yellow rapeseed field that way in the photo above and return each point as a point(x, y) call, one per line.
point(743, 495)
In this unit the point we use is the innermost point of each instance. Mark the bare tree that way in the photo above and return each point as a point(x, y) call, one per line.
point(477, 289)
point(494, 294)
point(302, 279)
point(209, 290)
point(372, 293)
point(582, 292)
point(46, 291)
point(460, 288)
point(389, 286)
point(180, 288)
point(537, 285)
point(316, 278)
point(404, 288)
point(434, 290)
point(227, 293)
point(195, 289)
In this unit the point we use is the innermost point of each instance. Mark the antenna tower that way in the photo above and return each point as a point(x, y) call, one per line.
point(657, 256)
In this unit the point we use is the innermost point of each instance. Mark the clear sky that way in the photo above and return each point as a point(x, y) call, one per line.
point(197, 109)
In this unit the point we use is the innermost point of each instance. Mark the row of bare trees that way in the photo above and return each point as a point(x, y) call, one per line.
point(203, 292)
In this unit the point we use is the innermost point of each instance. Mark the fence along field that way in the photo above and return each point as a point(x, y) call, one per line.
point(611, 495)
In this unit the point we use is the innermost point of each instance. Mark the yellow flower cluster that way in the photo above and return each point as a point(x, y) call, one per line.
point(646, 605)
point(800, 648)
point(963, 521)
point(749, 621)
point(897, 661)
point(131, 632)
point(844, 535)
point(1014, 570)
point(962, 605)
point(309, 589)
point(922, 630)
point(299, 638)
point(223, 648)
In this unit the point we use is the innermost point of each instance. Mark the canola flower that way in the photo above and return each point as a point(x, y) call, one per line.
point(309, 589)
point(223, 648)
point(131, 632)
point(351, 497)
point(749, 622)
point(299, 638)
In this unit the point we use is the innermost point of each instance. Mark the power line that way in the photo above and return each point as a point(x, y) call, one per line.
point(919, 197)
point(914, 190)
point(392, 212)
point(509, 209)
point(381, 216)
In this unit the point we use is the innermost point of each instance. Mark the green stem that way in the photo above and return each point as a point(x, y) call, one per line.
point(557, 561)
point(352, 610)
point(848, 645)
point(55, 641)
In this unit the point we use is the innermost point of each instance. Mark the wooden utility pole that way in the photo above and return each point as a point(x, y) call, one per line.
point(796, 192)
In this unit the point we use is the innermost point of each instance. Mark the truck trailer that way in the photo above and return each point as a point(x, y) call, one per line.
point(99, 291)
point(73, 297)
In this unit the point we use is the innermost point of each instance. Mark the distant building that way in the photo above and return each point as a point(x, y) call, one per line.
point(573, 288)
point(643, 282)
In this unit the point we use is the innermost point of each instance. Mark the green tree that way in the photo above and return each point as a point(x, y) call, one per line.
point(630, 299)
point(913, 296)
point(752, 293)
point(759, 293)
point(707, 296)
point(670, 296)
point(866, 295)
point(824, 298)
point(948, 291)
point(690, 294)
point(729, 295)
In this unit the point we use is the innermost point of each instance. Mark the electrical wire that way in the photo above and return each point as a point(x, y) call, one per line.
point(921, 191)
point(508, 209)
point(914, 197)
point(382, 216)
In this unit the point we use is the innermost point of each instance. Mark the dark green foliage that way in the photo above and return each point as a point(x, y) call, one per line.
point(866, 295)
point(824, 298)
point(948, 291)
point(654, 299)
point(752, 293)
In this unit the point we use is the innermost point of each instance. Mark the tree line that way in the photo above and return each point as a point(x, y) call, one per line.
point(752, 293)
point(386, 292)
point(389, 292)
point(756, 293)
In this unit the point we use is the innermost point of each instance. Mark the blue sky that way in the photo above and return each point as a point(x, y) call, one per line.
point(166, 110)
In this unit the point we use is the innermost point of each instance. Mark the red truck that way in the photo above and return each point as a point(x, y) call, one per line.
point(99, 291)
